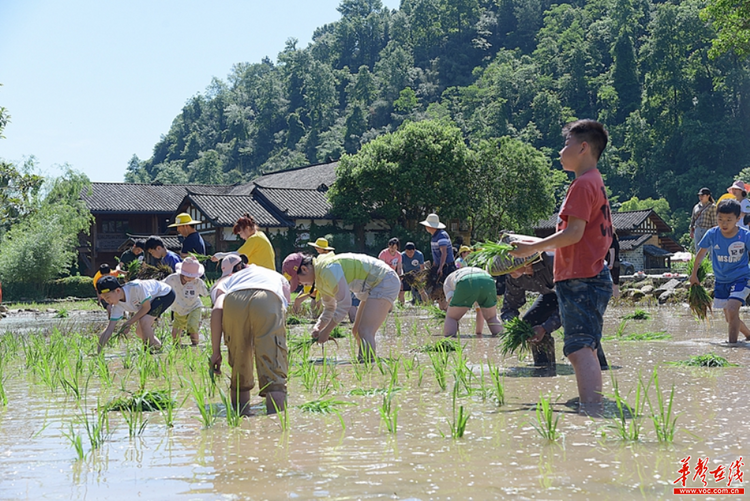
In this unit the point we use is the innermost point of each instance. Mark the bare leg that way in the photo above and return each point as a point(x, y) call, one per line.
point(452, 317)
point(732, 315)
point(195, 338)
point(494, 323)
point(615, 291)
point(147, 332)
point(175, 335)
point(401, 297)
point(371, 315)
point(479, 323)
point(588, 375)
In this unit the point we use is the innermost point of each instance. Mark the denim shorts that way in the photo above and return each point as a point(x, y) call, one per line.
point(582, 305)
point(723, 292)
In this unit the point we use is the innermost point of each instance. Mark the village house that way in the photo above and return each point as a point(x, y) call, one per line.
point(642, 240)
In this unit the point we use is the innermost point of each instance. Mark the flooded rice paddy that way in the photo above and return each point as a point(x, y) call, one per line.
point(388, 430)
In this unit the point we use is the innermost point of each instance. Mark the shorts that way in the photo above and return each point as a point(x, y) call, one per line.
point(190, 322)
point(255, 334)
point(723, 292)
point(388, 288)
point(582, 305)
point(479, 288)
point(160, 304)
point(404, 286)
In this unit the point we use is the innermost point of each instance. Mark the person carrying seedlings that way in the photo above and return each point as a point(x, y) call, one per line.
point(257, 248)
point(465, 287)
point(443, 263)
point(582, 281)
point(147, 299)
point(729, 246)
point(158, 250)
point(135, 253)
point(412, 260)
point(249, 310)
point(188, 288)
point(544, 313)
point(374, 283)
point(192, 240)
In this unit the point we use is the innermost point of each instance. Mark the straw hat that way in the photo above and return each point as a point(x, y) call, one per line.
point(433, 221)
point(464, 248)
point(183, 219)
point(321, 244)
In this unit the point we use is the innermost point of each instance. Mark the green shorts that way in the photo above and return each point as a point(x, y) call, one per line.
point(472, 289)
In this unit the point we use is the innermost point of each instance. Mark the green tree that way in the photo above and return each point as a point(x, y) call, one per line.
point(511, 187)
point(19, 188)
point(404, 176)
point(730, 20)
point(660, 206)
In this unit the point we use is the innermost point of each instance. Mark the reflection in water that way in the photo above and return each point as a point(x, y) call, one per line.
point(322, 456)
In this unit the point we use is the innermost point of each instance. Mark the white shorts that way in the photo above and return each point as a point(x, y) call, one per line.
point(388, 288)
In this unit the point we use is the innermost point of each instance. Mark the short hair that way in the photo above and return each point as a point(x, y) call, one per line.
point(394, 241)
point(153, 242)
point(729, 206)
point(246, 221)
point(140, 243)
point(589, 131)
point(104, 269)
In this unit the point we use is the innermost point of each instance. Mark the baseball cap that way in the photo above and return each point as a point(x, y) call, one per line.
point(289, 269)
point(106, 284)
point(228, 264)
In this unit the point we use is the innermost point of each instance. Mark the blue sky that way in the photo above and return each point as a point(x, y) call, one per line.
point(90, 83)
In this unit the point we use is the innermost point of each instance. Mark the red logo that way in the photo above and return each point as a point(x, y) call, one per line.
point(731, 474)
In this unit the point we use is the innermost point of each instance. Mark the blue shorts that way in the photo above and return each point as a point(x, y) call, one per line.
point(723, 292)
point(582, 305)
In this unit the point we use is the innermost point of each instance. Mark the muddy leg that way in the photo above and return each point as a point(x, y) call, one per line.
point(543, 352)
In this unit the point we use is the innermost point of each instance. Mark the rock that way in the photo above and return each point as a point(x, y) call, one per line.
point(647, 289)
point(642, 283)
point(33, 310)
point(671, 285)
point(3, 308)
point(50, 310)
point(636, 294)
point(664, 296)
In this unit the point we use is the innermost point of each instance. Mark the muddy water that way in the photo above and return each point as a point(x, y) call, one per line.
point(501, 455)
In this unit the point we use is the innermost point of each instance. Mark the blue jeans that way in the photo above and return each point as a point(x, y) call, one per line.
point(582, 305)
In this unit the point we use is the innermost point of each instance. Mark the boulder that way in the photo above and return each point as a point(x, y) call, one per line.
point(636, 294)
point(647, 289)
point(671, 285)
point(3, 308)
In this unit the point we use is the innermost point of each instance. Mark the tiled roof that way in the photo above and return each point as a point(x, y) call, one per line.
point(224, 210)
point(310, 177)
point(623, 221)
point(655, 251)
point(630, 243)
point(297, 204)
point(142, 198)
point(172, 242)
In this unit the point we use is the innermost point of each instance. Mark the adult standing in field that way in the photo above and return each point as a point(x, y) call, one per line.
point(443, 262)
point(703, 217)
point(257, 248)
point(739, 191)
point(249, 310)
point(374, 283)
point(192, 241)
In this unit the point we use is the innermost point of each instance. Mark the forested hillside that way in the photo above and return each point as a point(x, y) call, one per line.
point(678, 118)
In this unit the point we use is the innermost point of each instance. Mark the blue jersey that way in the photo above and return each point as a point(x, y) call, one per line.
point(440, 243)
point(729, 256)
point(412, 264)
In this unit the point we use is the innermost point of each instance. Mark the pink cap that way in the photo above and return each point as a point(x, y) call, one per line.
point(290, 267)
point(228, 264)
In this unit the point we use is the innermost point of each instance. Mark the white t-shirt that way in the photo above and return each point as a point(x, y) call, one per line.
point(138, 292)
point(255, 277)
point(187, 296)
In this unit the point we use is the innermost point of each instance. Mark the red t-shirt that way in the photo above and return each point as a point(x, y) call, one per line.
point(586, 199)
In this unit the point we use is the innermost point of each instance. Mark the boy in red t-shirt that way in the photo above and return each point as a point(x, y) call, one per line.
point(584, 234)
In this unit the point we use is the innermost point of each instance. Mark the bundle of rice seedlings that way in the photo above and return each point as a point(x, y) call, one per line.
point(708, 360)
point(444, 345)
point(142, 271)
point(699, 301)
point(515, 337)
point(494, 257)
point(144, 400)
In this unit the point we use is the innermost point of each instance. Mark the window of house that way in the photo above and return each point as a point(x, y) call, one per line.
point(114, 226)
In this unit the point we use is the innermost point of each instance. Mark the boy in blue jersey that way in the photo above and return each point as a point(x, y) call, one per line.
point(729, 245)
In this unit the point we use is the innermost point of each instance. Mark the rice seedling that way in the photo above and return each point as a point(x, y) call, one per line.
point(409, 364)
point(444, 345)
point(3, 395)
point(546, 422)
point(207, 411)
point(459, 418)
point(435, 312)
point(665, 423)
point(699, 301)
point(647, 336)
point(439, 361)
point(96, 426)
point(292, 319)
point(498, 383)
point(135, 421)
point(368, 392)
point(389, 413)
point(75, 440)
point(143, 400)
point(638, 314)
point(233, 414)
point(515, 336)
point(397, 322)
point(99, 365)
point(621, 329)
point(462, 373)
point(338, 332)
point(494, 258)
point(627, 422)
point(326, 406)
point(708, 360)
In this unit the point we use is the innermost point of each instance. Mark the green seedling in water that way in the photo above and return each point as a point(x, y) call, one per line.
point(207, 411)
point(627, 423)
point(234, 414)
point(546, 422)
point(326, 406)
point(389, 413)
point(143, 400)
point(708, 360)
point(439, 361)
point(444, 345)
point(368, 392)
point(135, 420)
point(435, 312)
point(498, 380)
point(75, 440)
point(3, 378)
point(459, 419)
point(665, 423)
point(647, 336)
point(96, 426)
point(638, 314)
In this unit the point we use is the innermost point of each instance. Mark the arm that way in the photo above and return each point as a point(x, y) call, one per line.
point(610, 257)
point(443, 257)
point(142, 312)
point(572, 234)
point(513, 300)
point(335, 308)
point(104, 336)
point(217, 317)
point(697, 264)
point(221, 255)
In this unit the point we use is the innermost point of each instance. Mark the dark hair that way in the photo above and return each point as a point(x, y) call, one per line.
point(246, 221)
point(729, 206)
point(244, 259)
point(153, 242)
point(589, 131)
point(139, 243)
point(410, 246)
point(104, 269)
point(394, 241)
